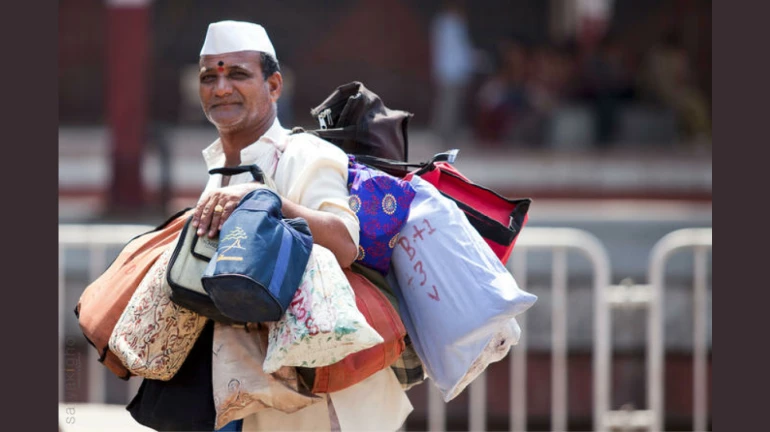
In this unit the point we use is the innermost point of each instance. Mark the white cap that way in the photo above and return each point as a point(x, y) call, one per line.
point(231, 36)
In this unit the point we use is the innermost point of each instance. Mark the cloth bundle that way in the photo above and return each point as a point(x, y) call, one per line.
point(455, 296)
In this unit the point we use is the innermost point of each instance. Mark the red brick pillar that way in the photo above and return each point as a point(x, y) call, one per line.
point(128, 37)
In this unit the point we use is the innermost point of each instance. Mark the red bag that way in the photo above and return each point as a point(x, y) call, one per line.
point(499, 220)
point(104, 300)
point(356, 367)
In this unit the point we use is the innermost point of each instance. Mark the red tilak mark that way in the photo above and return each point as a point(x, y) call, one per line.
point(221, 69)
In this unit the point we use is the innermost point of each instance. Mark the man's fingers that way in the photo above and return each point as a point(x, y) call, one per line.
point(216, 215)
point(206, 209)
point(229, 207)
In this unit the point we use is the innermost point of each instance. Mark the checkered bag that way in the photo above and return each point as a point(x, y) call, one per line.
point(408, 367)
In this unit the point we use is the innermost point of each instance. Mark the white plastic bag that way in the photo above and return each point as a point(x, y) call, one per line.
point(455, 295)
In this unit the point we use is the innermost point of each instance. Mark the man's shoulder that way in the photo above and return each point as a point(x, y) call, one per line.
point(301, 141)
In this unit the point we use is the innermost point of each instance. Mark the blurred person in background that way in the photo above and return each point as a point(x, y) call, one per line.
point(548, 78)
point(503, 99)
point(514, 104)
point(549, 86)
point(606, 81)
point(667, 78)
point(453, 64)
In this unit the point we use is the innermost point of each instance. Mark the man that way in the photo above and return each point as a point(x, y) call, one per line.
point(240, 83)
point(453, 64)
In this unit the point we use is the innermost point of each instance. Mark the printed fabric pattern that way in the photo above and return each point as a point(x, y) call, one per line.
point(240, 386)
point(381, 202)
point(154, 335)
point(322, 324)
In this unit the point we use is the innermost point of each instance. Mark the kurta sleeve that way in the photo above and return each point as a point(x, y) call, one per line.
point(314, 174)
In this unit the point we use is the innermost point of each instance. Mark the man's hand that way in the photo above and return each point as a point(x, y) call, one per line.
point(217, 205)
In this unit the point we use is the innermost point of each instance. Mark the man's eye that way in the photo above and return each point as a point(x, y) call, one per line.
point(239, 75)
point(207, 78)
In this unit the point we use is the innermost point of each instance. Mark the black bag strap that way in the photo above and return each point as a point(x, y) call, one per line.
point(423, 167)
point(378, 162)
point(255, 170)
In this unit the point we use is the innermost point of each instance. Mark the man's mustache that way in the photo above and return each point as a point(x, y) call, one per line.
point(229, 102)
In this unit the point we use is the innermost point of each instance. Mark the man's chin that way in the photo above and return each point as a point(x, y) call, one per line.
point(225, 124)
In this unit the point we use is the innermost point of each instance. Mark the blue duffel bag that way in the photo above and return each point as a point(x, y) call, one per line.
point(260, 260)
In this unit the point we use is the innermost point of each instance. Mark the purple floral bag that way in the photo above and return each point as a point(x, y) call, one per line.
point(381, 202)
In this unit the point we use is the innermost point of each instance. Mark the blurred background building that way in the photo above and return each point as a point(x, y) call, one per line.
point(599, 110)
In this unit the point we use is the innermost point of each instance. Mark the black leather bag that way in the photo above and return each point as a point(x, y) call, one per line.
point(356, 119)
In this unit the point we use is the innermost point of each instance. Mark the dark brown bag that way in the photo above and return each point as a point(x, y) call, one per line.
point(355, 119)
point(104, 300)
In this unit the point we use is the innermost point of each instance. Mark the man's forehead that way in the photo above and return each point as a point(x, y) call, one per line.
point(241, 57)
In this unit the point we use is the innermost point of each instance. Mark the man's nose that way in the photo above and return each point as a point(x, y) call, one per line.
point(223, 87)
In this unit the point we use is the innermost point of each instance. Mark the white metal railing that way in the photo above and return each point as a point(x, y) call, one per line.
point(651, 296)
point(700, 240)
point(559, 240)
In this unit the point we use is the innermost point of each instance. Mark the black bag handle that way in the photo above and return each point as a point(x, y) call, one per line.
point(423, 167)
point(255, 170)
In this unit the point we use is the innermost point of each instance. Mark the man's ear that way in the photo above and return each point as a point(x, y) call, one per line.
point(275, 86)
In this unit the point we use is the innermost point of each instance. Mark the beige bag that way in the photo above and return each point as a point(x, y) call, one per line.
point(153, 335)
point(241, 387)
point(376, 404)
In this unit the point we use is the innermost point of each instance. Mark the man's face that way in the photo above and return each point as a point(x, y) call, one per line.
point(234, 95)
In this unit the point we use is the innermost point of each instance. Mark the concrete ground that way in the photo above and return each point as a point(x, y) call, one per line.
point(82, 417)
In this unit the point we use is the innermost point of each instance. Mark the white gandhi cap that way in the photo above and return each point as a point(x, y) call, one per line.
point(231, 36)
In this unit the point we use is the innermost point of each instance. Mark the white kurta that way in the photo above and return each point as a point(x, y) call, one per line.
point(313, 173)
point(307, 170)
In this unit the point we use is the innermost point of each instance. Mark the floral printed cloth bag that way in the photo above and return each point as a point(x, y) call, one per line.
point(154, 335)
point(322, 324)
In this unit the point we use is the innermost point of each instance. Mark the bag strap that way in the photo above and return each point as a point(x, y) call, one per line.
point(255, 170)
point(448, 156)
